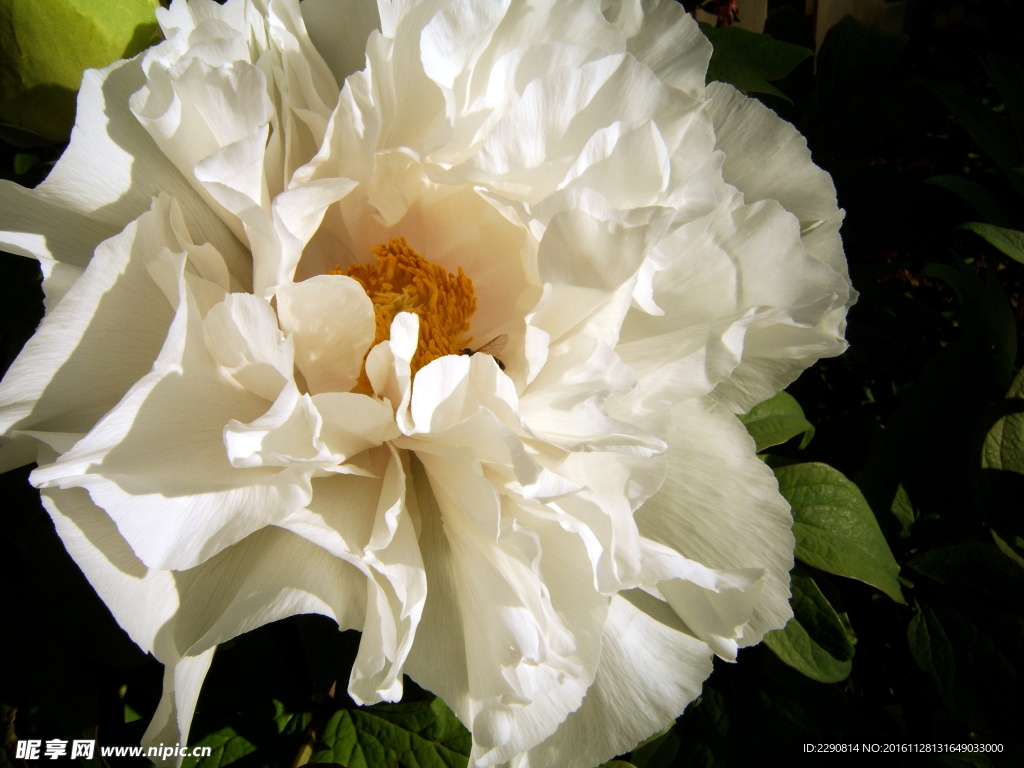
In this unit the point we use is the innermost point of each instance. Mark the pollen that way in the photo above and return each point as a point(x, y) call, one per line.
point(400, 280)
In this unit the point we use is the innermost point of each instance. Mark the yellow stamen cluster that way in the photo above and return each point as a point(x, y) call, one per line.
point(403, 281)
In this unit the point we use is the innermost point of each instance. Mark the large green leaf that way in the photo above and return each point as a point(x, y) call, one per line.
point(659, 751)
point(972, 659)
point(989, 130)
point(1009, 79)
point(987, 319)
point(932, 651)
point(776, 420)
point(974, 571)
point(987, 205)
point(751, 61)
point(999, 483)
point(835, 528)
point(1009, 241)
point(1003, 448)
point(45, 45)
point(228, 747)
point(862, 98)
point(417, 735)
point(704, 731)
point(815, 641)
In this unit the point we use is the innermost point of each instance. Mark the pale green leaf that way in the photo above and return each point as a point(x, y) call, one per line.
point(776, 420)
point(904, 510)
point(1009, 241)
point(1003, 448)
point(45, 45)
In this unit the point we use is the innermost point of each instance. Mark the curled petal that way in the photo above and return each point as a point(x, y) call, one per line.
point(330, 318)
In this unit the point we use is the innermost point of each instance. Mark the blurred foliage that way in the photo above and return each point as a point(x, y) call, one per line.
point(903, 460)
point(44, 47)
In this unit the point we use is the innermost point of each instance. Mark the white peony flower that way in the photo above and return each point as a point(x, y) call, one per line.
point(269, 251)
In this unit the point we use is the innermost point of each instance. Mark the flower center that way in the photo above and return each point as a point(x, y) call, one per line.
point(403, 281)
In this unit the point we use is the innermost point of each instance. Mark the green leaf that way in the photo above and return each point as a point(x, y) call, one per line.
point(1012, 550)
point(227, 747)
point(776, 420)
point(835, 528)
point(659, 751)
point(975, 570)
point(971, 658)
point(862, 97)
point(1008, 78)
point(932, 651)
point(448, 729)
point(1003, 448)
point(1009, 241)
point(749, 60)
point(989, 131)
point(815, 641)
point(704, 731)
point(45, 45)
point(978, 197)
point(903, 509)
point(414, 735)
point(24, 162)
point(854, 57)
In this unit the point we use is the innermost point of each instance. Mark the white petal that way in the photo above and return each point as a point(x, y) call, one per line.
point(741, 298)
point(183, 679)
point(715, 606)
point(650, 670)
point(456, 35)
point(721, 507)
point(99, 341)
point(353, 423)
point(296, 213)
point(242, 335)
point(62, 240)
point(629, 166)
point(112, 170)
point(665, 38)
point(268, 576)
point(288, 435)
point(533, 145)
point(746, 129)
point(365, 521)
point(142, 600)
point(455, 387)
point(389, 366)
point(180, 617)
point(609, 488)
point(339, 32)
point(157, 462)
point(509, 638)
point(330, 318)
